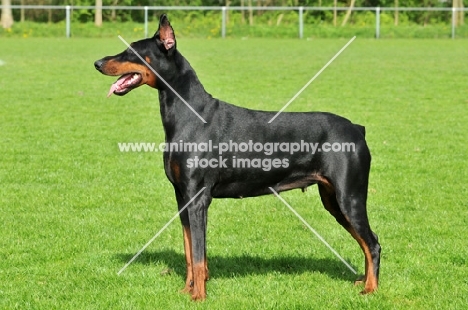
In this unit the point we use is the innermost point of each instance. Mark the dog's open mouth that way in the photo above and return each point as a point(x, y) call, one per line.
point(125, 83)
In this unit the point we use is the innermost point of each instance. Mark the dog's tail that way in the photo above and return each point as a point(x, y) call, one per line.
point(361, 128)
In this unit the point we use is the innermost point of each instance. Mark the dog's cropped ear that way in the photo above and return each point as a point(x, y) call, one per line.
point(165, 34)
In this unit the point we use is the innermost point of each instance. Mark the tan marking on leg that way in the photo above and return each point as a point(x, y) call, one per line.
point(369, 279)
point(199, 281)
point(175, 170)
point(188, 260)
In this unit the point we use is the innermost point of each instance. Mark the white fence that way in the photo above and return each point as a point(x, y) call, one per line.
point(223, 9)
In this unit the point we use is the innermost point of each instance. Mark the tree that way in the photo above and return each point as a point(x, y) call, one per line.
point(334, 12)
point(113, 12)
point(250, 13)
point(7, 16)
point(22, 18)
point(98, 14)
point(396, 13)
point(348, 12)
point(460, 14)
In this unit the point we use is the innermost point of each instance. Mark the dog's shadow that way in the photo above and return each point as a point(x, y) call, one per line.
point(238, 266)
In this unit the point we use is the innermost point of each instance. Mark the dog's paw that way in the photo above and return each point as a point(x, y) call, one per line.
point(187, 290)
point(198, 297)
point(359, 281)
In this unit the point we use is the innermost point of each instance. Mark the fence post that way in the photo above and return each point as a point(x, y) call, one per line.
point(454, 16)
point(146, 21)
point(67, 21)
point(377, 22)
point(301, 22)
point(223, 22)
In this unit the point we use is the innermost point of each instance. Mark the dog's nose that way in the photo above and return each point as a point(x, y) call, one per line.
point(98, 64)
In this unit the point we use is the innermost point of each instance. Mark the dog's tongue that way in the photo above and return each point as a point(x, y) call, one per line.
point(117, 85)
point(112, 89)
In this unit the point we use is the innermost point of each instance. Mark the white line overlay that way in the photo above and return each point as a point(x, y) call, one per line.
point(314, 231)
point(161, 78)
point(311, 80)
point(159, 232)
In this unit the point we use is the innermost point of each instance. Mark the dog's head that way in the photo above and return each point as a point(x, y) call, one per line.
point(141, 62)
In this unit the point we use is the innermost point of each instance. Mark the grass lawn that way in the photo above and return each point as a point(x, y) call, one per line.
point(74, 209)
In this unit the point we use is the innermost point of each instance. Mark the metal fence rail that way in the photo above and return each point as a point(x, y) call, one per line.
point(224, 9)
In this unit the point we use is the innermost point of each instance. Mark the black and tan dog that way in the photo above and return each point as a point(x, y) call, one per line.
point(233, 134)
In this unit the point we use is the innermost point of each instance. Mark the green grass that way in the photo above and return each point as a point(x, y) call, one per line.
point(74, 209)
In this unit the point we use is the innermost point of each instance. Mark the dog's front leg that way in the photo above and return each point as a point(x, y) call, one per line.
point(198, 213)
point(188, 259)
point(194, 222)
point(184, 218)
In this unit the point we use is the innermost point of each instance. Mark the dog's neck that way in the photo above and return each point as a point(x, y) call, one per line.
point(176, 115)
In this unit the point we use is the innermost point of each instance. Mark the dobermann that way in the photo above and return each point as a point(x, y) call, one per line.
point(229, 134)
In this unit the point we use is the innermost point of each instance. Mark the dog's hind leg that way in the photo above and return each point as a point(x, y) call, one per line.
point(352, 216)
point(367, 239)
